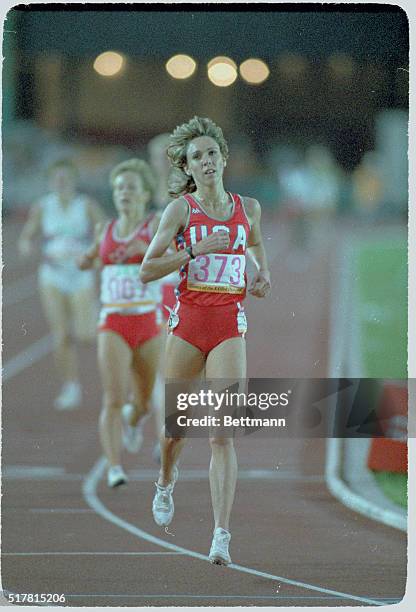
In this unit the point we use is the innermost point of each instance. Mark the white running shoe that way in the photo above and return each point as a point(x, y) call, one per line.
point(69, 397)
point(116, 476)
point(163, 506)
point(219, 554)
point(132, 435)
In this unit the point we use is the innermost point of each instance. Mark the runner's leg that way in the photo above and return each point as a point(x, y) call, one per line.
point(158, 393)
point(185, 362)
point(114, 360)
point(227, 360)
point(55, 305)
point(84, 314)
point(143, 372)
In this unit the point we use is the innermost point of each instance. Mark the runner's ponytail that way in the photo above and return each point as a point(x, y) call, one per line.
point(180, 183)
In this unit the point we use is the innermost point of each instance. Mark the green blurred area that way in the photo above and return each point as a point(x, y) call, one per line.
point(380, 272)
point(394, 486)
point(381, 301)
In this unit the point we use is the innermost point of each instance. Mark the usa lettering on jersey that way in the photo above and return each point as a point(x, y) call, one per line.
point(214, 278)
point(198, 232)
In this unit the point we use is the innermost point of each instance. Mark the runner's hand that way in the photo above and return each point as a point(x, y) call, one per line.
point(135, 247)
point(214, 243)
point(85, 261)
point(260, 285)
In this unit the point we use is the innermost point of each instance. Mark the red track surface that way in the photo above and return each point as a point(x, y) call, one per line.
point(289, 527)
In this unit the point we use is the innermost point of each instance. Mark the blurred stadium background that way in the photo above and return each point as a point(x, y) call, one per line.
point(334, 104)
point(317, 131)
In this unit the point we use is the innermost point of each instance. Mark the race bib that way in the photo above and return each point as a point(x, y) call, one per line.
point(121, 288)
point(217, 273)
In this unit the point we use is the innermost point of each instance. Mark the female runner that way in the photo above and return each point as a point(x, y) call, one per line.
point(129, 337)
point(212, 228)
point(66, 219)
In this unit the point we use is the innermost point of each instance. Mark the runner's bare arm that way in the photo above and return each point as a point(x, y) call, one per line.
point(155, 222)
point(89, 258)
point(30, 229)
point(156, 263)
point(260, 285)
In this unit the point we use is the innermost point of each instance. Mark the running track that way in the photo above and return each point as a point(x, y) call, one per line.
point(64, 532)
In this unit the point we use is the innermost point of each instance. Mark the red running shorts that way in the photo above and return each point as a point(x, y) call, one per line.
point(205, 327)
point(168, 299)
point(134, 329)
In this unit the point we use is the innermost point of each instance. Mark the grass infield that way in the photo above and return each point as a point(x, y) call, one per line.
point(380, 274)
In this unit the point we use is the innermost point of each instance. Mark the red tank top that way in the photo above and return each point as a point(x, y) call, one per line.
point(215, 279)
point(121, 288)
point(113, 249)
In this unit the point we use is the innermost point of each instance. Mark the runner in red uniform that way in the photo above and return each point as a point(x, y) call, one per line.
point(129, 337)
point(213, 229)
point(209, 307)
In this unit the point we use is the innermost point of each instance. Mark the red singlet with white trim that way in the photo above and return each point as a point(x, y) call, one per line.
point(113, 248)
point(214, 279)
point(121, 288)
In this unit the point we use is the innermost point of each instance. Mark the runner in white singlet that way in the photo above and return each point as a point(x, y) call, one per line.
point(65, 219)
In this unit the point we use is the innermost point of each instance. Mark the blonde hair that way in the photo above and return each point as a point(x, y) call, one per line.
point(179, 182)
point(138, 166)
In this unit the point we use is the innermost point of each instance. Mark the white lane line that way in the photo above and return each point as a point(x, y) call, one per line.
point(19, 290)
point(37, 472)
point(28, 357)
point(89, 490)
point(46, 477)
point(340, 313)
point(31, 471)
point(198, 474)
point(28, 472)
point(61, 510)
point(89, 554)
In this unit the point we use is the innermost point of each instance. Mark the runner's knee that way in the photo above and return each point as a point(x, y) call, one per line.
point(112, 402)
point(220, 443)
point(173, 441)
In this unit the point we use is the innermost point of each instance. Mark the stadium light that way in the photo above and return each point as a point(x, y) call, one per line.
point(181, 66)
point(222, 71)
point(109, 63)
point(254, 71)
point(341, 65)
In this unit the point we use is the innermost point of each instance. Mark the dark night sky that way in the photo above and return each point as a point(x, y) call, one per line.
point(375, 32)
